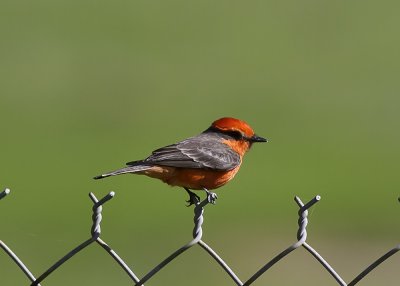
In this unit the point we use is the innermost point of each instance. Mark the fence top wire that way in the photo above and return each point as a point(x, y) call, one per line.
point(197, 239)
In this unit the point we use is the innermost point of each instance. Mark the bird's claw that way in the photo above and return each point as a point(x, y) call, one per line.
point(212, 197)
point(193, 199)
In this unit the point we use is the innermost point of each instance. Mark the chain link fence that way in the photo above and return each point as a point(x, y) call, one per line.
point(197, 235)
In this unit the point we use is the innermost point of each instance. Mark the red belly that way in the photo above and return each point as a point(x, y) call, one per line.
point(195, 179)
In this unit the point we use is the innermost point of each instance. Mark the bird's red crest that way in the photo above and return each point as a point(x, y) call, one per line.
point(233, 124)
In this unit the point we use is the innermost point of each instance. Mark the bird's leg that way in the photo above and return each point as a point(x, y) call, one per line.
point(193, 198)
point(211, 197)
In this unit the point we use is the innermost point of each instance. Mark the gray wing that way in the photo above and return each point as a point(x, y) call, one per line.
point(203, 151)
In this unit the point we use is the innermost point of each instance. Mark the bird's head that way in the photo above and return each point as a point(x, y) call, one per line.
point(241, 134)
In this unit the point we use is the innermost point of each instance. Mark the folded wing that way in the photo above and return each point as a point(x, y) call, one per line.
point(203, 151)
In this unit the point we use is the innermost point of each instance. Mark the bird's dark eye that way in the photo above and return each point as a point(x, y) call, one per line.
point(235, 134)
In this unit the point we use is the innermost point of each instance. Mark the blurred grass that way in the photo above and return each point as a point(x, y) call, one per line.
point(86, 86)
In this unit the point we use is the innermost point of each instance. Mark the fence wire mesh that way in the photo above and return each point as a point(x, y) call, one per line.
point(197, 240)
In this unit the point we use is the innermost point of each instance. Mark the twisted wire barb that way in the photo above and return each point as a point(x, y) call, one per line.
point(301, 236)
point(197, 234)
point(302, 233)
point(95, 231)
point(4, 193)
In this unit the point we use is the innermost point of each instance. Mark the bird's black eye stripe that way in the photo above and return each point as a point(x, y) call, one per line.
point(235, 134)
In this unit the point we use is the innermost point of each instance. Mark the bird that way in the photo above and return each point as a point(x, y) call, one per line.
point(203, 162)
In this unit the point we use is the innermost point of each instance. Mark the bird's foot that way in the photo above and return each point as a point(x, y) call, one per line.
point(211, 197)
point(193, 198)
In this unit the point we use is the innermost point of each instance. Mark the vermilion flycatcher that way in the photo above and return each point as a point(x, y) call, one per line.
point(204, 162)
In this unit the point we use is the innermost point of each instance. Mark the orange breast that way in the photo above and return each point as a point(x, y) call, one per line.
point(195, 179)
point(239, 146)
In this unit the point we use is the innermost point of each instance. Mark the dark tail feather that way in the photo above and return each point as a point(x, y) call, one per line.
point(126, 170)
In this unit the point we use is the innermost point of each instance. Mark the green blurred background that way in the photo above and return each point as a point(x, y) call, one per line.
point(86, 86)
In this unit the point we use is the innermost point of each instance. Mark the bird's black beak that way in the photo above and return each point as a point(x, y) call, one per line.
point(256, 138)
